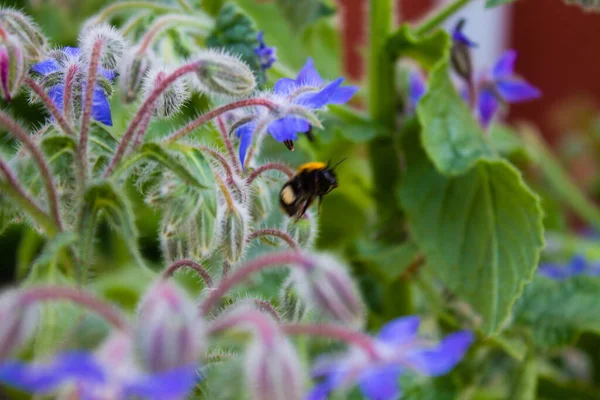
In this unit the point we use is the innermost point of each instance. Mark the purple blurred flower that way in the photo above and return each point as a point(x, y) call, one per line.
point(108, 374)
point(577, 266)
point(502, 86)
point(265, 53)
point(416, 89)
point(307, 90)
point(53, 69)
point(399, 349)
point(459, 37)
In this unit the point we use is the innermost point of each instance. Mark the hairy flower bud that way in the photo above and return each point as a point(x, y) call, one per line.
point(273, 370)
point(261, 202)
point(18, 323)
point(113, 45)
point(234, 232)
point(170, 101)
point(204, 230)
point(292, 306)
point(168, 334)
point(12, 66)
point(133, 70)
point(304, 231)
point(16, 23)
point(329, 287)
point(220, 73)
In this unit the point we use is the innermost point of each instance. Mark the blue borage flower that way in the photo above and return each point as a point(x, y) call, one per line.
point(307, 90)
point(577, 266)
point(98, 376)
point(399, 349)
point(416, 89)
point(502, 86)
point(100, 105)
point(459, 37)
point(265, 53)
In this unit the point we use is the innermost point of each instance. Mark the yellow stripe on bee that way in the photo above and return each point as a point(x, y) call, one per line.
point(312, 166)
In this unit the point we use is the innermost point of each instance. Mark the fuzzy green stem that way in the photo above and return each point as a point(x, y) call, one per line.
point(165, 22)
point(276, 233)
point(202, 272)
point(440, 15)
point(50, 106)
point(270, 167)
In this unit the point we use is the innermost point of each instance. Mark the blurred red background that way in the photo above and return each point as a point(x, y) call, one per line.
point(557, 44)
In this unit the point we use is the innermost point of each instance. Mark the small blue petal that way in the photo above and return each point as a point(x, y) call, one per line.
point(245, 132)
point(460, 37)
point(101, 107)
point(308, 75)
point(287, 128)
point(285, 86)
point(107, 73)
point(517, 90)
point(46, 67)
point(320, 391)
point(556, 272)
point(71, 51)
point(444, 356)
point(400, 330)
point(57, 95)
point(171, 384)
point(343, 94)
point(578, 265)
point(416, 88)
point(381, 383)
point(320, 98)
point(487, 105)
point(505, 66)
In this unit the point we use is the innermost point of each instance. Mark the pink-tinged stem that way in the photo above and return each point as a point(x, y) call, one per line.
point(285, 258)
point(228, 144)
point(148, 107)
point(268, 308)
point(356, 338)
point(218, 111)
point(222, 160)
point(68, 94)
point(86, 118)
point(4, 72)
point(192, 265)
point(273, 232)
point(105, 310)
point(17, 130)
point(141, 130)
point(50, 106)
point(25, 200)
point(270, 167)
point(267, 328)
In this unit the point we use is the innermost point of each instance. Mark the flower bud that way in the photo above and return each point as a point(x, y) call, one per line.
point(261, 202)
point(168, 334)
point(234, 232)
point(273, 370)
point(460, 54)
point(12, 66)
point(220, 73)
point(292, 306)
point(204, 230)
point(16, 23)
point(304, 231)
point(113, 45)
point(133, 71)
point(172, 99)
point(18, 323)
point(329, 287)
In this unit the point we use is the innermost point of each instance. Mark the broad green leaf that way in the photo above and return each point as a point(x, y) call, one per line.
point(525, 383)
point(103, 197)
point(564, 188)
point(299, 14)
point(496, 3)
point(388, 261)
point(481, 233)
point(558, 311)
point(156, 152)
point(452, 138)
point(102, 147)
point(427, 51)
point(199, 167)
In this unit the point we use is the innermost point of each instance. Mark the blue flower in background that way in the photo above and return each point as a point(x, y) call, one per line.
point(93, 379)
point(503, 87)
point(307, 90)
point(416, 89)
point(400, 350)
point(265, 53)
point(459, 37)
point(577, 266)
point(100, 105)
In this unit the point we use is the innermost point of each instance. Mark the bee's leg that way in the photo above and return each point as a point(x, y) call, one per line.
point(305, 206)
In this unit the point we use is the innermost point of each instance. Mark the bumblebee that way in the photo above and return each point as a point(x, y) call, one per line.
point(312, 180)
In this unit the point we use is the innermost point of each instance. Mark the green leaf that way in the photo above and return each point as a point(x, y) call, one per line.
point(452, 138)
point(103, 197)
point(299, 14)
point(198, 166)
point(525, 383)
point(506, 142)
point(388, 261)
point(156, 152)
point(427, 51)
point(496, 3)
point(481, 233)
point(558, 311)
point(416, 388)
